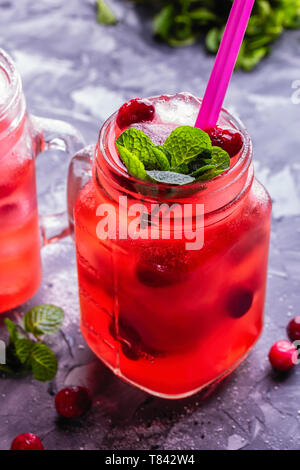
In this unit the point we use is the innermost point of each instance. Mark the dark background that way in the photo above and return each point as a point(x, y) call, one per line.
point(77, 70)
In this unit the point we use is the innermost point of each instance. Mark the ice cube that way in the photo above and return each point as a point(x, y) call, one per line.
point(156, 132)
point(181, 109)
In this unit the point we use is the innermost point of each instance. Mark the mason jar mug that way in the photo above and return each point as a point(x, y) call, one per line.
point(22, 138)
point(169, 319)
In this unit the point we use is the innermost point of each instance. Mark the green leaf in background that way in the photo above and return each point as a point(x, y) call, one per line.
point(43, 363)
point(43, 320)
point(212, 40)
point(162, 162)
point(181, 22)
point(105, 14)
point(162, 22)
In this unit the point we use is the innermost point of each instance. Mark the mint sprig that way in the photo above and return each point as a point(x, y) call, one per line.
point(26, 350)
point(187, 156)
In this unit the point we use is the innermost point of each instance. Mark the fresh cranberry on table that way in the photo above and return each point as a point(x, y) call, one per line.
point(27, 441)
point(73, 402)
point(283, 355)
point(136, 110)
point(293, 329)
point(228, 139)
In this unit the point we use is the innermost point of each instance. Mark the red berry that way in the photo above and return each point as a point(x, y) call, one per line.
point(131, 342)
point(136, 110)
point(293, 329)
point(239, 301)
point(283, 355)
point(26, 441)
point(229, 140)
point(73, 402)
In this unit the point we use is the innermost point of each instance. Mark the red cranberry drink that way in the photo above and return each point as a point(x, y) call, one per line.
point(22, 138)
point(20, 269)
point(166, 316)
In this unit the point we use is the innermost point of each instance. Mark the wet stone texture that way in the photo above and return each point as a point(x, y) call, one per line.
point(76, 70)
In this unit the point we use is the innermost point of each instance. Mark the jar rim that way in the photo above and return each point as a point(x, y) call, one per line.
point(14, 88)
point(205, 188)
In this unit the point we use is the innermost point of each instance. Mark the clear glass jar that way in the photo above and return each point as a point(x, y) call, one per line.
point(170, 320)
point(22, 138)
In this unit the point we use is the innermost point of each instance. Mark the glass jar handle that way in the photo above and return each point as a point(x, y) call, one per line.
point(80, 172)
point(51, 134)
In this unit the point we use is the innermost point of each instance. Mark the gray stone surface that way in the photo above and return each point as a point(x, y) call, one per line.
point(76, 70)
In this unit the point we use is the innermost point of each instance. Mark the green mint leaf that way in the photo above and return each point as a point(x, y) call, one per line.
point(220, 158)
point(5, 369)
point(43, 320)
point(202, 169)
point(134, 166)
point(198, 163)
point(186, 143)
point(13, 362)
point(166, 152)
point(203, 16)
point(183, 169)
point(169, 177)
point(162, 23)
point(23, 349)
point(179, 23)
point(139, 144)
point(104, 14)
point(43, 363)
point(12, 328)
point(213, 39)
point(221, 161)
point(162, 162)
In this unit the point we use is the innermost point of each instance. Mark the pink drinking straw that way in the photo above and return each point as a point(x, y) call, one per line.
point(224, 65)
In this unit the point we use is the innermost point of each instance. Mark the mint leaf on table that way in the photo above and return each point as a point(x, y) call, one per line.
point(43, 320)
point(169, 177)
point(105, 14)
point(43, 363)
point(23, 349)
point(186, 143)
point(26, 352)
point(13, 331)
